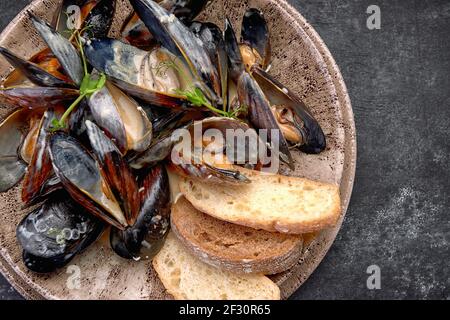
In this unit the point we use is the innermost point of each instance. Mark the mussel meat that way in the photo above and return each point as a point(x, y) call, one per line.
point(122, 118)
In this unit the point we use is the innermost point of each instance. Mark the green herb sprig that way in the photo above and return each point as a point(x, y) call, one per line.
point(193, 94)
point(89, 85)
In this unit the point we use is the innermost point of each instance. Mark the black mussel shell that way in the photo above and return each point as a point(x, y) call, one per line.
point(144, 239)
point(54, 233)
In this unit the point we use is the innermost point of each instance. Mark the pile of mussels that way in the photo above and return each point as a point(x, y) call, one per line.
point(91, 132)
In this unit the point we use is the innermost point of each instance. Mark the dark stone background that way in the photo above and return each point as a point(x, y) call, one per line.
point(399, 83)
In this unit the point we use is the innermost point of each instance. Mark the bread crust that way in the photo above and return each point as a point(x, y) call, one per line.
point(266, 256)
point(284, 224)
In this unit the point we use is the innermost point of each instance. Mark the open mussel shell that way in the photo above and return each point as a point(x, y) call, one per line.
point(40, 168)
point(63, 50)
point(236, 65)
point(28, 144)
point(37, 97)
point(55, 232)
point(82, 177)
point(32, 71)
point(212, 39)
point(117, 172)
point(163, 142)
point(146, 236)
point(139, 72)
point(295, 120)
point(212, 148)
point(12, 168)
point(180, 41)
point(122, 118)
point(137, 34)
point(260, 115)
point(255, 39)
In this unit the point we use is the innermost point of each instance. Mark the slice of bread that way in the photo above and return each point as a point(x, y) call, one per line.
point(233, 247)
point(187, 278)
point(270, 202)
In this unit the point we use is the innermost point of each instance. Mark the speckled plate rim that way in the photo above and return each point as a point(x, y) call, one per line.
point(289, 281)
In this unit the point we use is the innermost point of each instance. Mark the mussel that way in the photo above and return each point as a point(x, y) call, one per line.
point(270, 104)
point(122, 118)
point(212, 38)
point(37, 97)
point(252, 97)
point(116, 171)
point(63, 50)
point(40, 168)
point(93, 17)
point(35, 73)
point(255, 40)
point(136, 33)
point(82, 177)
point(210, 150)
point(54, 233)
point(145, 237)
point(294, 119)
point(12, 168)
point(145, 75)
point(173, 35)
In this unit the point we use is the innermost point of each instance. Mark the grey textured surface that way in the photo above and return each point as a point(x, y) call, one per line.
point(399, 83)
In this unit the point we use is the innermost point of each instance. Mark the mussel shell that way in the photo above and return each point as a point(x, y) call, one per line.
point(185, 10)
point(261, 116)
point(130, 69)
point(29, 143)
point(236, 65)
point(313, 138)
point(100, 18)
point(255, 34)
point(55, 232)
point(212, 38)
point(32, 71)
point(77, 122)
point(144, 239)
point(180, 41)
point(157, 152)
point(37, 97)
point(117, 172)
point(63, 50)
point(40, 168)
point(83, 179)
point(195, 161)
point(12, 168)
point(136, 33)
point(122, 119)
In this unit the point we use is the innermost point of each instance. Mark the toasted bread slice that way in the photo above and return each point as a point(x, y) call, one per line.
point(233, 247)
point(270, 202)
point(187, 278)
